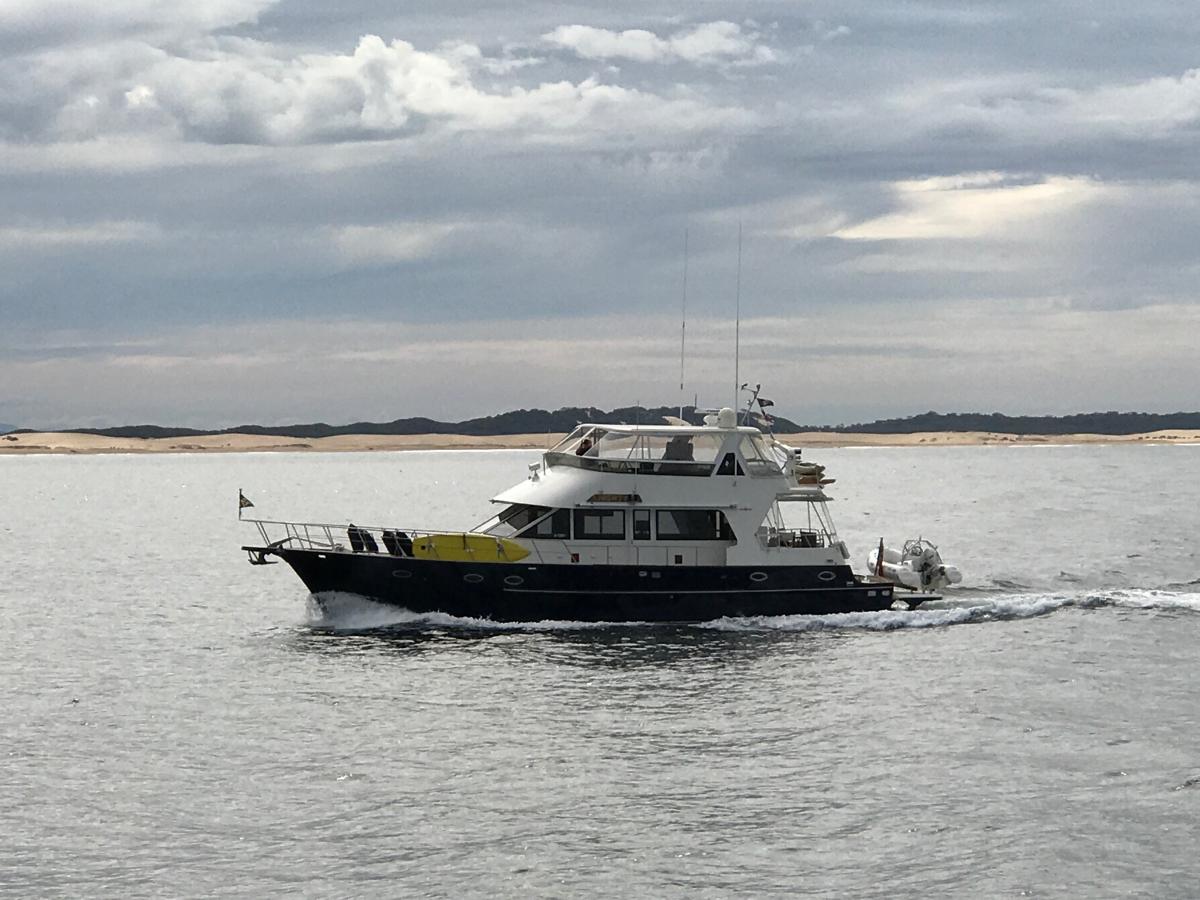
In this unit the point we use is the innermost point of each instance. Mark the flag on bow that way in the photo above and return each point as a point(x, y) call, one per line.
point(243, 502)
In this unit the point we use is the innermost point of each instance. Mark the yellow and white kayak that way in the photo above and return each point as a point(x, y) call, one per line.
point(468, 547)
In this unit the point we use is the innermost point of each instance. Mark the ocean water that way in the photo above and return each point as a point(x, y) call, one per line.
point(178, 723)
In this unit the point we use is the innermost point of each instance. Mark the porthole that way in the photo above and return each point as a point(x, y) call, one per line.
point(514, 580)
point(401, 573)
point(758, 576)
point(472, 578)
point(826, 575)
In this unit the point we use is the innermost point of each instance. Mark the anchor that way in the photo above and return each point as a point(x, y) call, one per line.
point(259, 557)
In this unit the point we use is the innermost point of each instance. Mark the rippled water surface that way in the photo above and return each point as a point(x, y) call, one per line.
point(177, 723)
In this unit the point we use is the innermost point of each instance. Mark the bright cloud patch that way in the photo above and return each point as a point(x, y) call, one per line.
point(388, 244)
point(706, 44)
point(969, 206)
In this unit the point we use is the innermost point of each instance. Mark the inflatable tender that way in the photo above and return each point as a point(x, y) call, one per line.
point(918, 566)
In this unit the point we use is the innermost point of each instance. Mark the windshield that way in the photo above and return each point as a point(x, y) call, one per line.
point(514, 518)
point(758, 456)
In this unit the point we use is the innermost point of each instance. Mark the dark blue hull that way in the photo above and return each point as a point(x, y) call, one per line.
point(516, 592)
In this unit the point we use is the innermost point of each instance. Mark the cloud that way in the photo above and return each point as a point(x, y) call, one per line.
point(971, 206)
point(389, 244)
point(946, 356)
point(237, 90)
point(24, 17)
point(1158, 105)
point(1029, 110)
point(50, 237)
point(710, 43)
point(165, 167)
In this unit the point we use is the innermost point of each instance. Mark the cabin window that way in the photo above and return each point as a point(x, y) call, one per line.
point(517, 517)
point(557, 525)
point(641, 524)
point(729, 465)
point(600, 524)
point(693, 525)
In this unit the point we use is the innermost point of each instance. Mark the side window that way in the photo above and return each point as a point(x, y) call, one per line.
point(692, 525)
point(556, 525)
point(730, 466)
point(641, 524)
point(600, 524)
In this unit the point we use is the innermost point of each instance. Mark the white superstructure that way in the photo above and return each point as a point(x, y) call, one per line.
point(667, 495)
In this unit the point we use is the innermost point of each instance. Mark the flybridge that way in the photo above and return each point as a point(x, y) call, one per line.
point(698, 451)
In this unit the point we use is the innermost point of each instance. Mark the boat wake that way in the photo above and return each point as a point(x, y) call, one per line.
point(950, 612)
point(946, 613)
point(344, 613)
point(1153, 599)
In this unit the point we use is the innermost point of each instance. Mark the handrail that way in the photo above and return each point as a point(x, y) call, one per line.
point(335, 537)
point(343, 526)
point(630, 466)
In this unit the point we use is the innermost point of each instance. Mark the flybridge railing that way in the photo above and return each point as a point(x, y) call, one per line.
point(631, 465)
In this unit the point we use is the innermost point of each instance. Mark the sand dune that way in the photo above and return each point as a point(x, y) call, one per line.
point(56, 442)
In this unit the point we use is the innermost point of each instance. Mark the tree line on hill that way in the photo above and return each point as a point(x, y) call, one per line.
point(538, 421)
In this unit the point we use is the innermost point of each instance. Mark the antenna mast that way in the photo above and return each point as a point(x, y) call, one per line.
point(737, 325)
point(683, 323)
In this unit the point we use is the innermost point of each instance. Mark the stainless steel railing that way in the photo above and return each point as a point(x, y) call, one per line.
point(350, 537)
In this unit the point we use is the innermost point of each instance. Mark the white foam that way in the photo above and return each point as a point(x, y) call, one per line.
point(1139, 599)
point(339, 611)
point(892, 619)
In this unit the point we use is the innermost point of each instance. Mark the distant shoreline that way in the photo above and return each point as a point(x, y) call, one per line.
point(71, 443)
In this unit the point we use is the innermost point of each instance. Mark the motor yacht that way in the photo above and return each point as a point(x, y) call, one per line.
point(618, 523)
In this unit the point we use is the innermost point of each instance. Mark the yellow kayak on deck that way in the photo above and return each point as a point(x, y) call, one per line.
point(467, 547)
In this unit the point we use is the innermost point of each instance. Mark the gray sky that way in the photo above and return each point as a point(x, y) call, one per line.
point(254, 211)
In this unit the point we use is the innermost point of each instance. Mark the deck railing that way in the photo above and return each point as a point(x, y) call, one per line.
point(378, 539)
point(398, 542)
point(793, 537)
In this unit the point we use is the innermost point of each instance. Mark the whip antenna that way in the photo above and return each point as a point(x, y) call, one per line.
point(737, 324)
point(683, 322)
